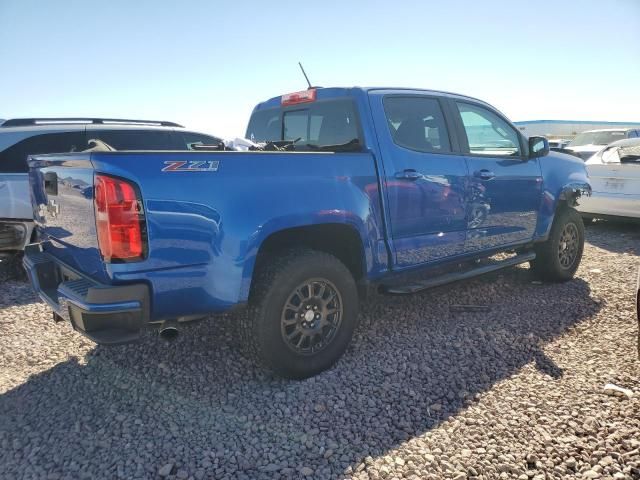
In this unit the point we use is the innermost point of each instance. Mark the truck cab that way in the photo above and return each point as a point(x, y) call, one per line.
point(458, 176)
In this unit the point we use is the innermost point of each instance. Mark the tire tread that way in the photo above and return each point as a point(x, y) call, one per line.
point(546, 266)
point(251, 323)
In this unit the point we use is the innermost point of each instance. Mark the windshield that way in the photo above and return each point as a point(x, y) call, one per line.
point(311, 126)
point(597, 138)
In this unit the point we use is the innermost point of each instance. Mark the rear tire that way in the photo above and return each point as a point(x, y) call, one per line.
point(303, 310)
point(558, 258)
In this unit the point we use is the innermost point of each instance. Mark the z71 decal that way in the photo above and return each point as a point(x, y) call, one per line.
point(191, 166)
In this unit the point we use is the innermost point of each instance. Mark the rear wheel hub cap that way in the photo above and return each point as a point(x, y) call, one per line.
point(311, 316)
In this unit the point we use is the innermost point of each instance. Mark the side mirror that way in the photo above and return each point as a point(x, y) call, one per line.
point(538, 147)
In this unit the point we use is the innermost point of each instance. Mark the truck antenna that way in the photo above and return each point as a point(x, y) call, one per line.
point(305, 75)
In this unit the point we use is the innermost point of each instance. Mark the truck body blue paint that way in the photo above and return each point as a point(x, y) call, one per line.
point(206, 227)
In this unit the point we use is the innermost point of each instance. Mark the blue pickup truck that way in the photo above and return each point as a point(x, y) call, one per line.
point(352, 191)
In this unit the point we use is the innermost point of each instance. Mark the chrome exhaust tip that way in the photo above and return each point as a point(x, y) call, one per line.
point(169, 330)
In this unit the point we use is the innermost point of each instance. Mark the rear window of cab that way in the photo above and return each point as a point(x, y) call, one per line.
point(309, 126)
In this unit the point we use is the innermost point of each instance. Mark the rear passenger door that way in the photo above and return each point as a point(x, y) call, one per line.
point(424, 178)
point(505, 186)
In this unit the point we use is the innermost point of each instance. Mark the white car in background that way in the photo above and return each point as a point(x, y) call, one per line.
point(615, 179)
point(558, 144)
point(586, 144)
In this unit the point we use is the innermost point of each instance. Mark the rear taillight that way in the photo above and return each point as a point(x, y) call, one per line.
point(119, 220)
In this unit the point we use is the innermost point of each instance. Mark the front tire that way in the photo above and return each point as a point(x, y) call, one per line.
point(558, 258)
point(303, 310)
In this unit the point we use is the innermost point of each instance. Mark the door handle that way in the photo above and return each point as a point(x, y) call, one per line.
point(408, 174)
point(484, 174)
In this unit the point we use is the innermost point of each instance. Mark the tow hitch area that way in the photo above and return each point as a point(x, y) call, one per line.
point(106, 314)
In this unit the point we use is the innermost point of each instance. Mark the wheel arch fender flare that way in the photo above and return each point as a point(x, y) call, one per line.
point(568, 195)
point(300, 222)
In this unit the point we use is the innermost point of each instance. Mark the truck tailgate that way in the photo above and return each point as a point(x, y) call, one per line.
point(62, 198)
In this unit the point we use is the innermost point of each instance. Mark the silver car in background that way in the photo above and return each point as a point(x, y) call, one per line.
point(586, 144)
point(615, 179)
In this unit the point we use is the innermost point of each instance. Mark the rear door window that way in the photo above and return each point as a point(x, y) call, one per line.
point(135, 139)
point(14, 158)
point(417, 123)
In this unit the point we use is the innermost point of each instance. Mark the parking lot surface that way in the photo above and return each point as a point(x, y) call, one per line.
point(425, 390)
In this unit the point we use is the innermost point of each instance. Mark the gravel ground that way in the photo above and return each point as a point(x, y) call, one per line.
point(423, 392)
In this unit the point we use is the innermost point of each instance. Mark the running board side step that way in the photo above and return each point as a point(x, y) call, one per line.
point(456, 276)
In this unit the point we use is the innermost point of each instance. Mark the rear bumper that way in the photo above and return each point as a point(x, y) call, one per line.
point(106, 314)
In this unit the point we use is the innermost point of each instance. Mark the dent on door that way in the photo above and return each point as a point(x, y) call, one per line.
point(428, 217)
point(503, 202)
point(425, 181)
point(504, 184)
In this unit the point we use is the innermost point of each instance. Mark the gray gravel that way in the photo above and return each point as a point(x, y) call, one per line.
point(11, 268)
point(423, 392)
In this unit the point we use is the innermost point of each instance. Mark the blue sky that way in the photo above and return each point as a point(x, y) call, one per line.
point(206, 63)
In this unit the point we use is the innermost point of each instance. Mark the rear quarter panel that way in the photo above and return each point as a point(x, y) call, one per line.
point(206, 227)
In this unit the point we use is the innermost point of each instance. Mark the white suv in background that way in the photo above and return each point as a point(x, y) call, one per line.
point(22, 137)
point(588, 143)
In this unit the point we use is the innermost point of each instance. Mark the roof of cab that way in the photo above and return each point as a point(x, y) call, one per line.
point(336, 92)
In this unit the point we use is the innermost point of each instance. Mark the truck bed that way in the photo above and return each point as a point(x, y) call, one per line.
point(202, 219)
